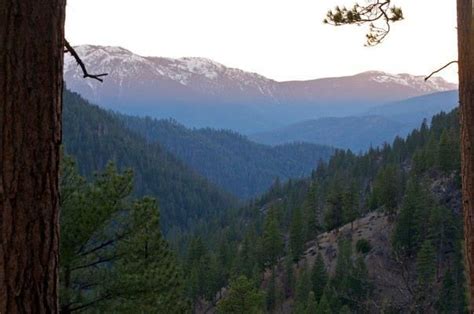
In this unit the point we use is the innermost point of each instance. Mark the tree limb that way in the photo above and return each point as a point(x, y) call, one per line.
point(440, 69)
point(86, 74)
point(95, 263)
point(377, 11)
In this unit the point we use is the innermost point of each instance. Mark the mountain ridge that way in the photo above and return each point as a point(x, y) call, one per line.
point(228, 159)
point(199, 92)
point(370, 129)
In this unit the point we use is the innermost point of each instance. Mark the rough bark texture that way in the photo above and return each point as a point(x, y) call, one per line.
point(31, 61)
point(466, 98)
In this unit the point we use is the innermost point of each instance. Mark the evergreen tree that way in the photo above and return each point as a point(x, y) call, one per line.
point(289, 283)
point(386, 188)
point(447, 300)
point(323, 306)
point(319, 277)
point(359, 287)
point(445, 152)
point(303, 287)
point(297, 236)
point(247, 255)
point(425, 267)
point(272, 239)
point(311, 304)
point(242, 297)
point(111, 249)
point(343, 266)
point(409, 231)
point(345, 310)
point(271, 295)
point(333, 217)
point(419, 162)
point(147, 278)
point(349, 205)
point(310, 207)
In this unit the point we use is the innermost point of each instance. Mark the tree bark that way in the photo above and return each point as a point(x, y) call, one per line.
point(31, 82)
point(466, 98)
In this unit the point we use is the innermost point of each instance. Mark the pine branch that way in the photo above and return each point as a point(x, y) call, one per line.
point(81, 64)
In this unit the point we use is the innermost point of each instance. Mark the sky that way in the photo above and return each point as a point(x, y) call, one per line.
point(280, 39)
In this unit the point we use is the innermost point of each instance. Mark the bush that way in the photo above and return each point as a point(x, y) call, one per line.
point(363, 246)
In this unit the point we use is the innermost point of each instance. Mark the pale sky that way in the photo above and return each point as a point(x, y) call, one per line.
point(280, 39)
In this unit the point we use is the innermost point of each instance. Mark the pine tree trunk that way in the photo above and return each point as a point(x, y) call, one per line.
point(31, 82)
point(466, 98)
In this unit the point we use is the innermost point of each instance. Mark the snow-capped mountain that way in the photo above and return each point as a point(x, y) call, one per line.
point(128, 72)
point(201, 92)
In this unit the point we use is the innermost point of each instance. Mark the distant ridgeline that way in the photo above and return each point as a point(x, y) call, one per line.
point(228, 159)
point(94, 137)
point(371, 233)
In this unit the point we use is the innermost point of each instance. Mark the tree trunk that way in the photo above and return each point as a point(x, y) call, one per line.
point(31, 82)
point(466, 98)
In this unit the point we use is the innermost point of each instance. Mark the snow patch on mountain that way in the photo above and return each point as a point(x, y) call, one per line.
point(436, 84)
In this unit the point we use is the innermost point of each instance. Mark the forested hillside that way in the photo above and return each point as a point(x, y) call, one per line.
point(94, 137)
point(229, 159)
point(363, 233)
point(379, 232)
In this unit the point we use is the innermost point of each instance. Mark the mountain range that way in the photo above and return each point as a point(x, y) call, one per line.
point(199, 92)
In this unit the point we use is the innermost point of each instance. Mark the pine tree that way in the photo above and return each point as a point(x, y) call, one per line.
point(333, 217)
point(319, 277)
point(113, 253)
point(359, 288)
point(349, 205)
point(242, 297)
point(323, 306)
point(343, 266)
point(303, 287)
point(310, 207)
point(425, 268)
point(31, 84)
point(386, 188)
point(289, 283)
point(409, 230)
point(247, 256)
point(297, 236)
point(272, 239)
point(445, 152)
point(447, 301)
point(345, 310)
point(311, 304)
point(271, 295)
point(147, 277)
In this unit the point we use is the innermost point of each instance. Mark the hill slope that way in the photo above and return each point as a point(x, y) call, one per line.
point(94, 137)
point(228, 159)
point(387, 225)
